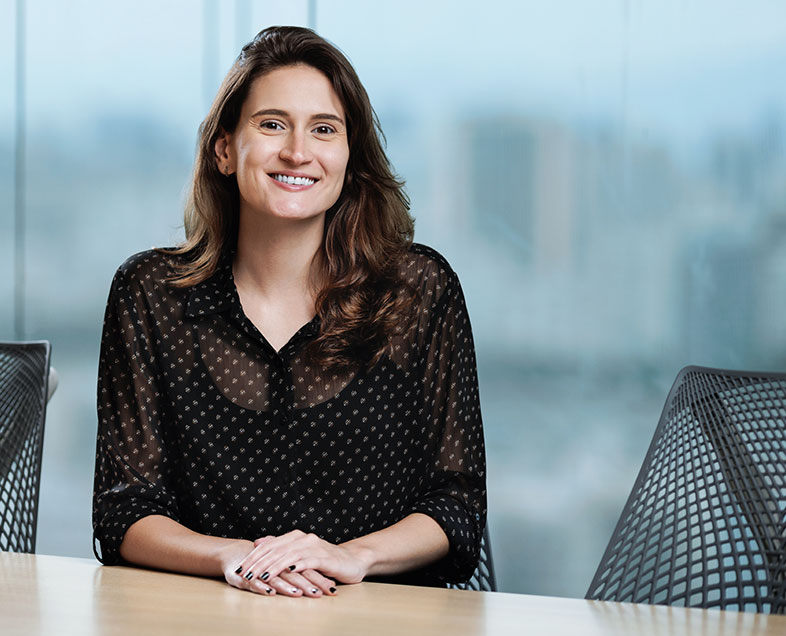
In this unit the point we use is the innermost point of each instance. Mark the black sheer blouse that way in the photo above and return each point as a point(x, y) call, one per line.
point(202, 421)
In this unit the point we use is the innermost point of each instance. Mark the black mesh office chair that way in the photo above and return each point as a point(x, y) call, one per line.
point(24, 390)
point(483, 579)
point(704, 524)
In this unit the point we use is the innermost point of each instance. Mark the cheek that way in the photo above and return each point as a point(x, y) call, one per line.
point(250, 169)
point(249, 174)
point(252, 152)
point(338, 163)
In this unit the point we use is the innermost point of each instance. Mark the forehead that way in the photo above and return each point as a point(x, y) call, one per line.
point(298, 89)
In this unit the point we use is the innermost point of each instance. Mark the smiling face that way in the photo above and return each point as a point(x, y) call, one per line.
point(289, 149)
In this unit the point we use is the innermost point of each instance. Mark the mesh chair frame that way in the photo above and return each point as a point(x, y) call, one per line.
point(483, 579)
point(24, 377)
point(705, 523)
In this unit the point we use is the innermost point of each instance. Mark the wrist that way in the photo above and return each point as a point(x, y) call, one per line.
point(363, 556)
point(232, 552)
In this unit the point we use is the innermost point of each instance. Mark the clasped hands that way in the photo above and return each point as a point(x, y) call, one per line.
point(296, 564)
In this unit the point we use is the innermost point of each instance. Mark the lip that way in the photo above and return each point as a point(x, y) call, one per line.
point(292, 187)
point(292, 173)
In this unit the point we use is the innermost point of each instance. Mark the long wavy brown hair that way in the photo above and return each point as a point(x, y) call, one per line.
point(365, 300)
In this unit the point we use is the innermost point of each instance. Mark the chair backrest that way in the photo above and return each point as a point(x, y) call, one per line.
point(24, 372)
point(704, 524)
point(483, 579)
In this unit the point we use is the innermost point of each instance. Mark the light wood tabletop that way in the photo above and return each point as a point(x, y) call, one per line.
point(59, 595)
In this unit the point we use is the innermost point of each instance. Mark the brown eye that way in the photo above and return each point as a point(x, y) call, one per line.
point(271, 125)
point(324, 129)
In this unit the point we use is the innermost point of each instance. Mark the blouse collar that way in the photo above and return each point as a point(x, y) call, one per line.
point(214, 294)
point(218, 294)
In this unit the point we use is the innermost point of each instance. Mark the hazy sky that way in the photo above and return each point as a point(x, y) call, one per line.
point(679, 66)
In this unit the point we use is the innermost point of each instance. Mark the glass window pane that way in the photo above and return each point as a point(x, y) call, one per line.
point(608, 180)
point(115, 93)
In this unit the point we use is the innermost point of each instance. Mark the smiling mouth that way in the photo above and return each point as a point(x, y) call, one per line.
point(301, 181)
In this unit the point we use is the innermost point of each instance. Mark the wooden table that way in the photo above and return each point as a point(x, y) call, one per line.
point(58, 595)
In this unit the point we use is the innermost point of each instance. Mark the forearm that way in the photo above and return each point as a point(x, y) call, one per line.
point(412, 543)
point(160, 542)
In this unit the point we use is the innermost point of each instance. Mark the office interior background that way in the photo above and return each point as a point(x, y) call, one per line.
point(608, 179)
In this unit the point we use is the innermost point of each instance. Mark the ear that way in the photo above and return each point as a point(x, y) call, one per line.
point(224, 154)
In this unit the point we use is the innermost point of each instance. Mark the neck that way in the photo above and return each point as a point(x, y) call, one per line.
point(279, 257)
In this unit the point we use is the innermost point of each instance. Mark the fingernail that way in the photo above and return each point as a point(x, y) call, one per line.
point(239, 570)
point(294, 590)
point(249, 576)
point(314, 590)
point(332, 590)
point(268, 590)
point(265, 576)
point(291, 567)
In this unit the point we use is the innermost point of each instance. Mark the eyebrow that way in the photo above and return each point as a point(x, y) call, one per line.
point(282, 113)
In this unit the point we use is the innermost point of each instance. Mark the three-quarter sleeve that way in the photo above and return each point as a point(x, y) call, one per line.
point(454, 492)
point(131, 471)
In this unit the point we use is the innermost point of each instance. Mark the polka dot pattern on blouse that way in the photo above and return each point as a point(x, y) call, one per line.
point(202, 421)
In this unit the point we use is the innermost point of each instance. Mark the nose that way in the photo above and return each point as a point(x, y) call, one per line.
point(295, 149)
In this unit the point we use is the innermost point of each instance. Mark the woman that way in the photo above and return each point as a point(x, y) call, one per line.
point(289, 399)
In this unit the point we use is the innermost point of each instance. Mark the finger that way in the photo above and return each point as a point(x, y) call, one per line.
point(245, 568)
point(284, 587)
point(261, 587)
point(298, 580)
point(253, 585)
point(237, 577)
point(302, 551)
point(280, 554)
point(255, 561)
point(250, 566)
point(282, 564)
point(241, 582)
point(236, 580)
point(263, 570)
point(280, 559)
point(325, 584)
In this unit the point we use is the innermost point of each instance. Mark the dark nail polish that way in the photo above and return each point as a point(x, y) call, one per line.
point(265, 576)
point(291, 567)
point(249, 576)
point(314, 590)
point(294, 590)
point(332, 590)
point(268, 590)
point(239, 570)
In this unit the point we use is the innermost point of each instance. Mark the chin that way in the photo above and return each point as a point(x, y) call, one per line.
point(298, 215)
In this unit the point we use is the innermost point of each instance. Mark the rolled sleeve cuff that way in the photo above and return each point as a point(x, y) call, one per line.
point(109, 532)
point(463, 529)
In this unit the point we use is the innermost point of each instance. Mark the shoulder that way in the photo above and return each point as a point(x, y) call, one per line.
point(150, 264)
point(146, 272)
point(153, 266)
point(429, 272)
point(428, 255)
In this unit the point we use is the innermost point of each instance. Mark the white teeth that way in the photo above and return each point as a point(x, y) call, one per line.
point(293, 180)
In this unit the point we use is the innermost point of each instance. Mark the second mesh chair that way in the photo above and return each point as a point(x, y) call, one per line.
point(483, 579)
point(24, 374)
point(704, 524)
